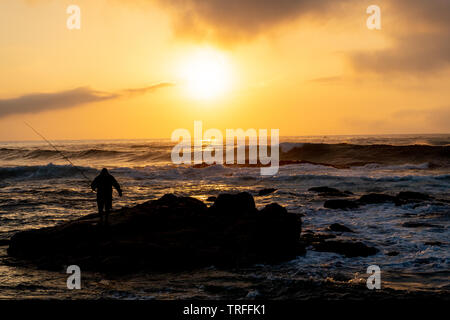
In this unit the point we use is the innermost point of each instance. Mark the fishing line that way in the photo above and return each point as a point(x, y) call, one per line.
point(62, 154)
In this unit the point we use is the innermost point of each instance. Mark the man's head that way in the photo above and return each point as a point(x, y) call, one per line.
point(104, 172)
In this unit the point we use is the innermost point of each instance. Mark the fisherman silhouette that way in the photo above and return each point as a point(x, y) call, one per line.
point(103, 183)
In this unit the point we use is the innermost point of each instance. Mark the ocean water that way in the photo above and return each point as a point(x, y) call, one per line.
point(38, 188)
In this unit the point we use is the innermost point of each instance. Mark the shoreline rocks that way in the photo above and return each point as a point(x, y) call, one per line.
point(330, 192)
point(402, 198)
point(341, 204)
point(337, 227)
point(324, 242)
point(266, 191)
point(346, 248)
point(171, 233)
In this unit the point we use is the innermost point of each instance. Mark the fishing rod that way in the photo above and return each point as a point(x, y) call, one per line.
point(62, 154)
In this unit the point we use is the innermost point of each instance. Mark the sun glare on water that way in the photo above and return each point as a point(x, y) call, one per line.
point(206, 74)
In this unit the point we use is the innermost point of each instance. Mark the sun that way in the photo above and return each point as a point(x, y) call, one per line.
point(206, 74)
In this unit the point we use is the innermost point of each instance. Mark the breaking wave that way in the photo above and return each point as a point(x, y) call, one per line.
point(49, 171)
point(340, 155)
point(349, 155)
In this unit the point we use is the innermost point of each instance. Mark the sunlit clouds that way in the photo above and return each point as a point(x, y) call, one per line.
point(147, 67)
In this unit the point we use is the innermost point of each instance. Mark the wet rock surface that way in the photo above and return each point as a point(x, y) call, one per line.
point(324, 242)
point(402, 198)
point(336, 227)
point(347, 248)
point(433, 243)
point(170, 233)
point(266, 191)
point(330, 192)
point(419, 224)
point(313, 291)
point(393, 253)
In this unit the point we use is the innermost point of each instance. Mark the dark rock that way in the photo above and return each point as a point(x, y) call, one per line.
point(275, 229)
point(406, 197)
point(171, 233)
point(266, 191)
point(340, 204)
point(341, 277)
point(310, 238)
point(413, 196)
point(336, 227)
point(211, 199)
point(334, 195)
point(393, 253)
point(324, 190)
point(433, 243)
point(346, 248)
point(373, 198)
point(330, 192)
point(230, 204)
point(402, 198)
point(418, 224)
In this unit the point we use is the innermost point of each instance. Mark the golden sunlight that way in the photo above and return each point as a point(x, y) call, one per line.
point(206, 74)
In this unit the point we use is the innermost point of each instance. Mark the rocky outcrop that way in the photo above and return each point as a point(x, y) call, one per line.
point(393, 253)
point(266, 191)
point(170, 233)
point(433, 243)
point(404, 197)
point(324, 190)
point(330, 192)
point(411, 195)
point(346, 248)
point(349, 248)
point(419, 224)
point(337, 227)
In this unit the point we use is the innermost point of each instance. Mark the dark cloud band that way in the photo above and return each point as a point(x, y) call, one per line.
point(38, 102)
point(232, 20)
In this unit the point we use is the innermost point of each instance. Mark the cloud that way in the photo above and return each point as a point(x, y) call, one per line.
point(421, 46)
point(38, 102)
point(414, 53)
point(436, 11)
point(149, 88)
point(232, 20)
point(419, 29)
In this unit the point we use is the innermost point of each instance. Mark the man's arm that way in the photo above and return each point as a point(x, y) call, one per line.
point(116, 185)
point(94, 184)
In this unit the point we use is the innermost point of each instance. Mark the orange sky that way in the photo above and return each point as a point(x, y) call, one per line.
point(143, 68)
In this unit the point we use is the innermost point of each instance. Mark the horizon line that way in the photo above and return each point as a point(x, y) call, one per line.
point(286, 136)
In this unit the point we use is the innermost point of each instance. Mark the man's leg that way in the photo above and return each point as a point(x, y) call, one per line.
point(100, 204)
point(108, 207)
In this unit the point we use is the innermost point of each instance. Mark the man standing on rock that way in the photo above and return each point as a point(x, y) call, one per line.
point(103, 183)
